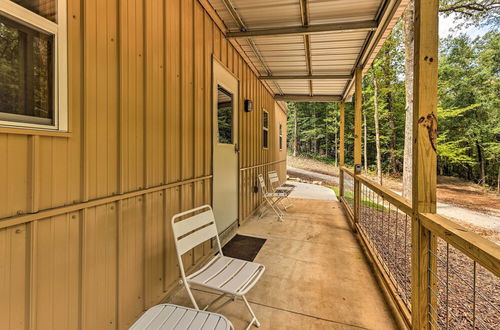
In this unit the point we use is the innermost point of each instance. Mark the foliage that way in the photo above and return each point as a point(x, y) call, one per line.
point(468, 110)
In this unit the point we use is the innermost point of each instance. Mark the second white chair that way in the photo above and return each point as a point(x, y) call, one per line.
point(272, 199)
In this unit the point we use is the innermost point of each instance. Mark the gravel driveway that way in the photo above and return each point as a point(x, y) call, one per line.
point(475, 218)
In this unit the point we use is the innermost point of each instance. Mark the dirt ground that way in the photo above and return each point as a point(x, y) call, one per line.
point(449, 190)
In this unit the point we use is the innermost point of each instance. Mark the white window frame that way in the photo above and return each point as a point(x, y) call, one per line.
point(264, 128)
point(60, 82)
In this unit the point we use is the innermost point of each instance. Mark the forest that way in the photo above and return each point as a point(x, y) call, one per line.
point(468, 110)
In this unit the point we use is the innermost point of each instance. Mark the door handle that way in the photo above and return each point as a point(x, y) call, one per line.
point(236, 148)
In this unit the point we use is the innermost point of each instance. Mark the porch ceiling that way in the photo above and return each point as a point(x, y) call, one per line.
point(308, 48)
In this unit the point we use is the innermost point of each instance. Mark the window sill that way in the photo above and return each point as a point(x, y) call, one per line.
point(31, 131)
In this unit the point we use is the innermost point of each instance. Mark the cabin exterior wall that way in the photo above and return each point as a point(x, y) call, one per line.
point(85, 239)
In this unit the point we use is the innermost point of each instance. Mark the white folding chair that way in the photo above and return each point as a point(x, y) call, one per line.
point(233, 277)
point(274, 184)
point(272, 199)
point(168, 316)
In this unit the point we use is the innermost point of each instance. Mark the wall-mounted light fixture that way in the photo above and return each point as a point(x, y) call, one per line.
point(248, 105)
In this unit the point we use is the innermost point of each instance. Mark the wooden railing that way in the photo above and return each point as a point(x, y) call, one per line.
point(463, 268)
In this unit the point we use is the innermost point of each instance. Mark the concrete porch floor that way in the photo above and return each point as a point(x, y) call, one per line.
point(316, 274)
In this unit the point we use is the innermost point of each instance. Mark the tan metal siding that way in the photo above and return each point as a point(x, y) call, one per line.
point(85, 239)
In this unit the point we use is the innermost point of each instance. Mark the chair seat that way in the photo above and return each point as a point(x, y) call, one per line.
point(228, 275)
point(276, 194)
point(285, 188)
point(167, 316)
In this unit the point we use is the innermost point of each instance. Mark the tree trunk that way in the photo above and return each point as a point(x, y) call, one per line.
point(377, 131)
point(498, 179)
point(480, 159)
point(365, 143)
point(336, 151)
point(393, 162)
point(408, 18)
point(295, 134)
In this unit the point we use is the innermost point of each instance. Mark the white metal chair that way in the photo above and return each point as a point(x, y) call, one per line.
point(274, 184)
point(173, 317)
point(272, 199)
point(233, 277)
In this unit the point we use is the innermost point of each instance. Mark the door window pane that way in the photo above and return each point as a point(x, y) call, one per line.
point(45, 8)
point(224, 115)
point(26, 73)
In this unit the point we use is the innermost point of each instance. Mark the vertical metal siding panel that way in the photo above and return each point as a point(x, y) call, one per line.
point(56, 252)
point(173, 90)
point(17, 174)
point(100, 118)
point(112, 65)
point(172, 202)
point(13, 274)
point(148, 92)
point(59, 184)
point(186, 203)
point(75, 100)
point(208, 44)
point(217, 45)
point(223, 49)
point(125, 77)
point(131, 260)
point(90, 96)
point(187, 104)
point(34, 173)
point(154, 253)
point(100, 267)
point(199, 98)
point(198, 201)
point(4, 161)
point(207, 196)
point(159, 118)
point(46, 172)
point(137, 103)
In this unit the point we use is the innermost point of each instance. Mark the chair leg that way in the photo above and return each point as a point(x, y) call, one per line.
point(254, 318)
point(276, 209)
point(188, 288)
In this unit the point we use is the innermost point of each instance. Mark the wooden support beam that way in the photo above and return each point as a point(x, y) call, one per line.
point(342, 150)
point(358, 103)
point(307, 98)
point(424, 162)
point(303, 30)
point(309, 77)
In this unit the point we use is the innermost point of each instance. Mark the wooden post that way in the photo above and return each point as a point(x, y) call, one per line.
point(424, 161)
point(357, 141)
point(342, 151)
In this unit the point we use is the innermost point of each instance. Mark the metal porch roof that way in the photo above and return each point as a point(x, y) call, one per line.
point(309, 49)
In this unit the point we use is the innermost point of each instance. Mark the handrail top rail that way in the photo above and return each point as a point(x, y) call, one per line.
point(476, 247)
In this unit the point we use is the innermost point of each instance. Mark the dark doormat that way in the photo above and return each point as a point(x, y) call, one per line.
point(243, 247)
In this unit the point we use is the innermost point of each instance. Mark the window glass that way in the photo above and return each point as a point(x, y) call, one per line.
point(26, 73)
point(45, 8)
point(225, 115)
point(281, 136)
point(265, 129)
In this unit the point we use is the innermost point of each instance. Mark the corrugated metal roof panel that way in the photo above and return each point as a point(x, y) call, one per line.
point(331, 52)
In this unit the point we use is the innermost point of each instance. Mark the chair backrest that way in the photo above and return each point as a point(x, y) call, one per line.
point(274, 179)
point(262, 183)
point(195, 227)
